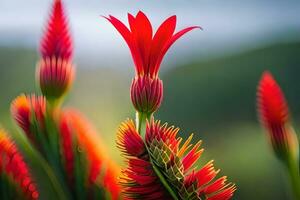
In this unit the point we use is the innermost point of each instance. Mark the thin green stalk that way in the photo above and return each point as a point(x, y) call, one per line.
point(141, 123)
point(293, 170)
point(164, 182)
point(53, 141)
point(141, 119)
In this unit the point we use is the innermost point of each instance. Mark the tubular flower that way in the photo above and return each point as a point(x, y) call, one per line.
point(162, 167)
point(274, 115)
point(27, 110)
point(55, 76)
point(13, 166)
point(57, 41)
point(147, 50)
point(102, 171)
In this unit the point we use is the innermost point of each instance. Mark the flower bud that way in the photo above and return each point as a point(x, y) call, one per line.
point(146, 94)
point(26, 110)
point(274, 115)
point(55, 77)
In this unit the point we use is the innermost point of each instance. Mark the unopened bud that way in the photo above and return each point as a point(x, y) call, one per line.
point(146, 94)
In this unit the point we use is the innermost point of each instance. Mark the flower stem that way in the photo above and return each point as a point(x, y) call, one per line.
point(293, 170)
point(141, 123)
point(164, 182)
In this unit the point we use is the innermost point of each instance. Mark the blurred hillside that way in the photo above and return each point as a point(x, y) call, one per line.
point(213, 98)
point(221, 91)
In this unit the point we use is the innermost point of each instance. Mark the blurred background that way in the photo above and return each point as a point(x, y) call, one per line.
point(210, 76)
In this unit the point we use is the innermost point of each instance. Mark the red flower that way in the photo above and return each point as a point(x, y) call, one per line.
point(55, 76)
point(55, 71)
point(26, 110)
point(148, 50)
point(274, 115)
point(162, 167)
point(57, 41)
point(13, 166)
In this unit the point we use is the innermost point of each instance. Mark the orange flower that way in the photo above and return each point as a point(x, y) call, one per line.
point(26, 110)
point(102, 170)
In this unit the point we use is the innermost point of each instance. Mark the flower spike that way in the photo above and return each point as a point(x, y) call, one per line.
point(57, 41)
point(147, 50)
point(55, 71)
point(162, 167)
point(13, 166)
point(274, 115)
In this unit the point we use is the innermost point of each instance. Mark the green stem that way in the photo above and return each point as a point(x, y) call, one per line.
point(141, 123)
point(293, 170)
point(48, 182)
point(163, 181)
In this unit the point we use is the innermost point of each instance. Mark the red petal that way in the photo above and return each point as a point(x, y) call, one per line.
point(127, 35)
point(168, 44)
point(141, 29)
point(162, 35)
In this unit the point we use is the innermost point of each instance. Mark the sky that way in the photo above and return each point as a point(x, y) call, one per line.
point(228, 26)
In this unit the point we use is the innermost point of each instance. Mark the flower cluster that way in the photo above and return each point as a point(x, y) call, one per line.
point(63, 137)
point(161, 165)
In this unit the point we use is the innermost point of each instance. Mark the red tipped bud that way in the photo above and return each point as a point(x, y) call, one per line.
point(55, 77)
point(129, 141)
point(274, 115)
point(146, 94)
point(57, 41)
point(28, 109)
